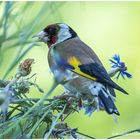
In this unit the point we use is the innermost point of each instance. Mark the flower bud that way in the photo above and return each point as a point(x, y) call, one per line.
point(24, 68)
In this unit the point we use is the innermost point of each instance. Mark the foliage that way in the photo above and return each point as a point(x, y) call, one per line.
point(15, 32)
point(27, 115)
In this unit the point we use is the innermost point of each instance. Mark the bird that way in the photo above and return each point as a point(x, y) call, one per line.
point(77, 67)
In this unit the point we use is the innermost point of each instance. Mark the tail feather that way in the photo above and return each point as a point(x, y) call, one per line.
point(108, 102)
point(115, 119)
point(111, 91)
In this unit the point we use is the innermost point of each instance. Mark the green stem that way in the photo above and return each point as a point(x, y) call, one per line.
point(36, 124)
point(54, 123)
point(18, 101)
point(126, 133)
point(30, 110)
point(85, 135)
point(112, 72)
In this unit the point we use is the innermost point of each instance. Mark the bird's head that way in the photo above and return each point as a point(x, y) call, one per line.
point(56, 33)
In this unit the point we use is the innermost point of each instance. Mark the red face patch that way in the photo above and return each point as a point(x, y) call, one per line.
point(52, 32)
point(53, 39)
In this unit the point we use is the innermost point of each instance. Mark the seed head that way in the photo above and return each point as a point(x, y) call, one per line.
point(25, 68)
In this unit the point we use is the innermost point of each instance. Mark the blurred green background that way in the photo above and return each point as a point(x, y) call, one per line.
point(107, 27)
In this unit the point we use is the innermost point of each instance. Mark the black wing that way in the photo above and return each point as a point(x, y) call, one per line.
point(98, 71)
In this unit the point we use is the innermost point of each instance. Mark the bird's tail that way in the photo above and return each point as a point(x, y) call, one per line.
point(108, 102)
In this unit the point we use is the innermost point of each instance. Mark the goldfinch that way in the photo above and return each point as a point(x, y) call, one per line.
point(76, 66)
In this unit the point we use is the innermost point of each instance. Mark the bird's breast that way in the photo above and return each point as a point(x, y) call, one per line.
point(58, 67)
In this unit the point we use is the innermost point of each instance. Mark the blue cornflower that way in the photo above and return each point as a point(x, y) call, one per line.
point(89, 110)
point(116, 63)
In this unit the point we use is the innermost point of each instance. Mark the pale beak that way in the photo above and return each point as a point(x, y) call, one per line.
point(42, 36)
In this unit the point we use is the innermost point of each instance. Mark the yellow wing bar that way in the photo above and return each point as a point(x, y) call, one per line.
point(73, 61)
